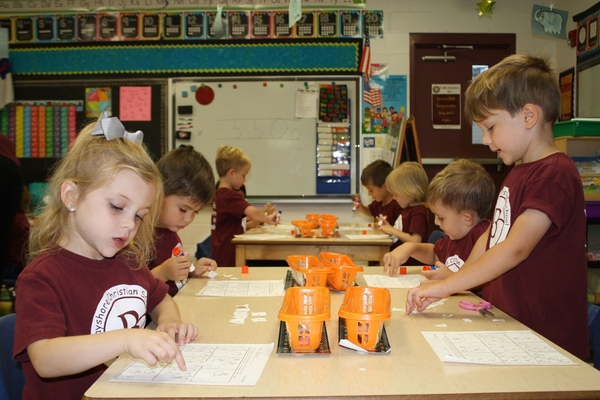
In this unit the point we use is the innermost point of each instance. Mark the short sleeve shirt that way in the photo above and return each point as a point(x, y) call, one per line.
point(392, 210)
point(454, 253)
point(166, 241)
point(227, 216)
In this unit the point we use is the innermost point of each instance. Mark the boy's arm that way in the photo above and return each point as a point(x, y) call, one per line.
point(421, 251)
point(256, 215)
point(404, 237)
point(529, 228)
point(267, 209)
point(361, 208)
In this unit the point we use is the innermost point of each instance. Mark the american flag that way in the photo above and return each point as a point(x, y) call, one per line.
point(373, 97)
point(365, 61)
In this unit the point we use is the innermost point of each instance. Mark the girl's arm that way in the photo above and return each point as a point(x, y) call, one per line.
point(167, 319)
point(70, 355)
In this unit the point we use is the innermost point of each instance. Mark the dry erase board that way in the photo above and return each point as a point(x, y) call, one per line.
point(259, 115)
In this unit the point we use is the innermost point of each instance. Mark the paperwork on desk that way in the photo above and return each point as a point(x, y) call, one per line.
point(394, 282)
point(207, 364)
point(368, 237)
point(243, 288)
point(495, 347)
point(262, 236)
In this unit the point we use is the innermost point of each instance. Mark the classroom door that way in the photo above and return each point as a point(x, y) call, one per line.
point(440, 143)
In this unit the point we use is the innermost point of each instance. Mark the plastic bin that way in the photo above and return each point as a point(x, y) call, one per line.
point(308, 270)
point(314, 219)
point(328, 227)
point(364, 309)
point(343, 270)
point(305, 227)
point(304, 310)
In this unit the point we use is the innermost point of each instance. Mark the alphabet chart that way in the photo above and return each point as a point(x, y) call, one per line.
point(207, 364)
point(237, 288)
point(495, 347)
point(394, 282)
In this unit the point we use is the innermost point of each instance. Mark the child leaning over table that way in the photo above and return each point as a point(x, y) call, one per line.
point(229, 206)
point(189, 186)
point(373, 179)
point(408, 185)
point(88, 289)
point(532, 260)
point(460, 197)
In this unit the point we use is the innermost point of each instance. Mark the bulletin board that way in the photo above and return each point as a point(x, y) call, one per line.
point(154, 125)
point(259, 115)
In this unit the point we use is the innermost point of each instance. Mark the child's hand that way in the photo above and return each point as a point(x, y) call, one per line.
point(153, 347)
point(182, 333)
point(425, 294)
point(440, 273)
point(204, 265)
point(393, 260)
point(272, 218)
point(177, 268)
point(386, 228)
point(268, 209)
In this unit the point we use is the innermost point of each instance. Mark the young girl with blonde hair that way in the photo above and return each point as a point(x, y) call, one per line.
point(89, 284)
point(408, 184)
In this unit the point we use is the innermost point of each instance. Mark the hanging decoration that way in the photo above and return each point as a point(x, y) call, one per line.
point(486, 6)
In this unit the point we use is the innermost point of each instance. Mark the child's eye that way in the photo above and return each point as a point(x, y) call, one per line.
point(116, 208)
point(137, 216)
point(182, 210)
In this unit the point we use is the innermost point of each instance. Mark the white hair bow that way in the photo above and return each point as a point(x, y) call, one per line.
point(112, 128)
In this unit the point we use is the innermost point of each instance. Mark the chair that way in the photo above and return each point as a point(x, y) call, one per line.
point(12, 379)
point(435, 236)
point(594, 326)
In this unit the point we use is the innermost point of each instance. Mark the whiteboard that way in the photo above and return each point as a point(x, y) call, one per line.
point(258, 115)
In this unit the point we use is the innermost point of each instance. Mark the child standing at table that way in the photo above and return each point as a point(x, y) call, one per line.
point(532, 261)
point(408, 185)
point(88, 285)
point(460, 197)
point(373, 179)
point(189, 186)
point(230, 207)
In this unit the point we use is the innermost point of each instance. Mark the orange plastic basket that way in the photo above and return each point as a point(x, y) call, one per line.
point(364, 309)
point(343, 270)
point(308, 270)
point(304, 310)
point(314, 219)
point(304, 226)
point(328, 227)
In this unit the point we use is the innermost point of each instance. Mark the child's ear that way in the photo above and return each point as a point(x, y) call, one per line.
point(468, 219)
point(530, 115)
point(69, 193)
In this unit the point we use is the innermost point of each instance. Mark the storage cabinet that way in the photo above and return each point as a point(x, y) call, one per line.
point(582, 146)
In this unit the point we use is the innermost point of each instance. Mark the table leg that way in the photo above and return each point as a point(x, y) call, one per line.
point(240, 255)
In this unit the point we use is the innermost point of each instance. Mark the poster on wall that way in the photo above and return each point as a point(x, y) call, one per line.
point(445, 106)
point(384, 101)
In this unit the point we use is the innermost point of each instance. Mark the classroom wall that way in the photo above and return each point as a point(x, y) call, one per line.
point(403, 17)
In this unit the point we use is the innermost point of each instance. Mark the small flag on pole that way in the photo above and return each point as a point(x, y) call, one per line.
point(365, 61)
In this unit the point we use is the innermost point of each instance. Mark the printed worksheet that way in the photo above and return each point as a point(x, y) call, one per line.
point(394, 282)
point(495, 347)
point(237, 288)
point(207, 364)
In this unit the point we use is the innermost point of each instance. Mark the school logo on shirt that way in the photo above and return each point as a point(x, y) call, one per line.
point(454, 263)
point(501, 222)
point(121, 307)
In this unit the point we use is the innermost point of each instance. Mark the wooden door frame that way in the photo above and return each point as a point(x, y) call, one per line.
point(433, 40)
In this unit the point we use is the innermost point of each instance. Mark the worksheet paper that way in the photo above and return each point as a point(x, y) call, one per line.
point(372, 236)
point(394, 282)
point(495, 347)
point(207, 364)
point(239, 288)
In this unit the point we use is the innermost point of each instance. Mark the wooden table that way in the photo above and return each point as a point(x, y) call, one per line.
point(249, 248)
point(411, 370)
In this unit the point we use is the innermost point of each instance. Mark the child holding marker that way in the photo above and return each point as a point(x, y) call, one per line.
point(408, 185)
point(189, 186)
point(373, 179)
point(88, 288)
point(229, 206)
point(460, 197)
point(532, 260)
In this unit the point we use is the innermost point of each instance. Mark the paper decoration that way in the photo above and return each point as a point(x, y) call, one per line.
point(98, 100)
